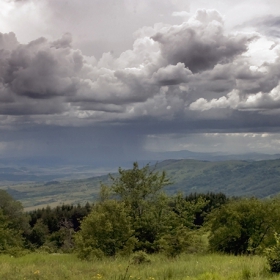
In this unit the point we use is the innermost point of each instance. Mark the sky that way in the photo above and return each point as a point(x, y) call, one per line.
point(100, 81)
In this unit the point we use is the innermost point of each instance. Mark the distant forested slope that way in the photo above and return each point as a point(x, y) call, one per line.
point(234, 178)
point(238, 178)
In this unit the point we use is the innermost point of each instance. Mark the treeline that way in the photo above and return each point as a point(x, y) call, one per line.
point(48, 229)
point(134, 214)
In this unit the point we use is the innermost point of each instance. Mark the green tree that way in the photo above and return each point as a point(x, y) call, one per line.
point(105, 231)
point(54, 228)
point(13, 224)
point(14, 211)
point(243, 226)
point(141, 190)
point(10, 238)
point(155, 217)
point(137, 186)
point(212, 201)
point(152, 218)
point(39, 234)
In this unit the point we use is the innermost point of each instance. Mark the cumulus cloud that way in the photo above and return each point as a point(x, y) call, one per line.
point(8, 41)
point(200, 43)
point(172, 72)
point(234, 100)
point(231, 100)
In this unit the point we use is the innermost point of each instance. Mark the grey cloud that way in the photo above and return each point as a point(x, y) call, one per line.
point(32, 107)
point(184, 70)
point(8, 41)
point(64, 42)
point(202, 44)
point(38, 71)
point(250, 82)
point(269, 25)
point(172, 75)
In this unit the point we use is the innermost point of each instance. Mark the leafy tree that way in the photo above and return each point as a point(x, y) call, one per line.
point(243, 226)
point(13, 225)
point(212, 201)
point(54, 227)
point(105, 231)
point(154, 221)
point(137, 186)
point(273, 255)
point(155, 217)
point(140, 189)
point(14, 211)
point(39, 234)
point(10, 238)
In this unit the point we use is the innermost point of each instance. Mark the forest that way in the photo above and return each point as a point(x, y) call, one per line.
point(134, 219)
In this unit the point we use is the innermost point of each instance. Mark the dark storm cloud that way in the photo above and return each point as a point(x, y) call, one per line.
point(185, 75)
point(36, 71)
point(172, 75)
point(202, 46)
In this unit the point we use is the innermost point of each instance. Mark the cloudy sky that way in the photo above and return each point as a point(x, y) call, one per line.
point(116, 80)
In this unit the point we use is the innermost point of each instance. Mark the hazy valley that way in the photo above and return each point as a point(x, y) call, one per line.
point(235, 175)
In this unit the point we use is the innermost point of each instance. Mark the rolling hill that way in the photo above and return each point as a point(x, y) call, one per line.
point(234, 178)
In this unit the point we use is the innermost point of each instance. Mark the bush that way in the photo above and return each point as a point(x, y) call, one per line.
point(140, 257)
point(176, 242)
point(106, 231)
point(273, 255)
point(243, 226)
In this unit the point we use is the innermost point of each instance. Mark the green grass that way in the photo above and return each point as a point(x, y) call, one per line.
point(185, 267)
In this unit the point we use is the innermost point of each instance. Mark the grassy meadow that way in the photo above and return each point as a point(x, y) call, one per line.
point(184, 267)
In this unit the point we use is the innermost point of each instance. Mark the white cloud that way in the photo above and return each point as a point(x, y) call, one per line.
point(230, 101)
point(259, 101)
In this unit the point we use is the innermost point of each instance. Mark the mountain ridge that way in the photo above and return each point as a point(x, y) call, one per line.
point(234, 178)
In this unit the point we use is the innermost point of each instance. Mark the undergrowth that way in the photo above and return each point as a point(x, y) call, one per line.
point(159, 267)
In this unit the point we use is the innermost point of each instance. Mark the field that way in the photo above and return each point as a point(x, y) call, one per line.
point(185, 267)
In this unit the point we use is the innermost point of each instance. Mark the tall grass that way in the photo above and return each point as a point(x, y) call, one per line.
point(184, 267)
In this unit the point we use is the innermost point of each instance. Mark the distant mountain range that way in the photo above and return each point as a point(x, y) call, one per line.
point(217, 156)
point(233, 177)
point(48, 169)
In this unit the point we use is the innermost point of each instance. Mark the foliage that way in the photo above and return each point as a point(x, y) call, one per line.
point(13, 224)
point(175, 242)
point(273, 255)
point(106, 231)
point(38, 234)
point(155, 221)
point(212, 201)
point(10, 238)
point(13, 210)
point(140, 257)
point(138, 185)
point(140, 189)
point(54, 228)
point(243, 226)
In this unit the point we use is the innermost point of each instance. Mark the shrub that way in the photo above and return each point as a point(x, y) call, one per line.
point(273, 255)
point(106, 231)
point(175, 242)
point(243, 226)
point(140, 257)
